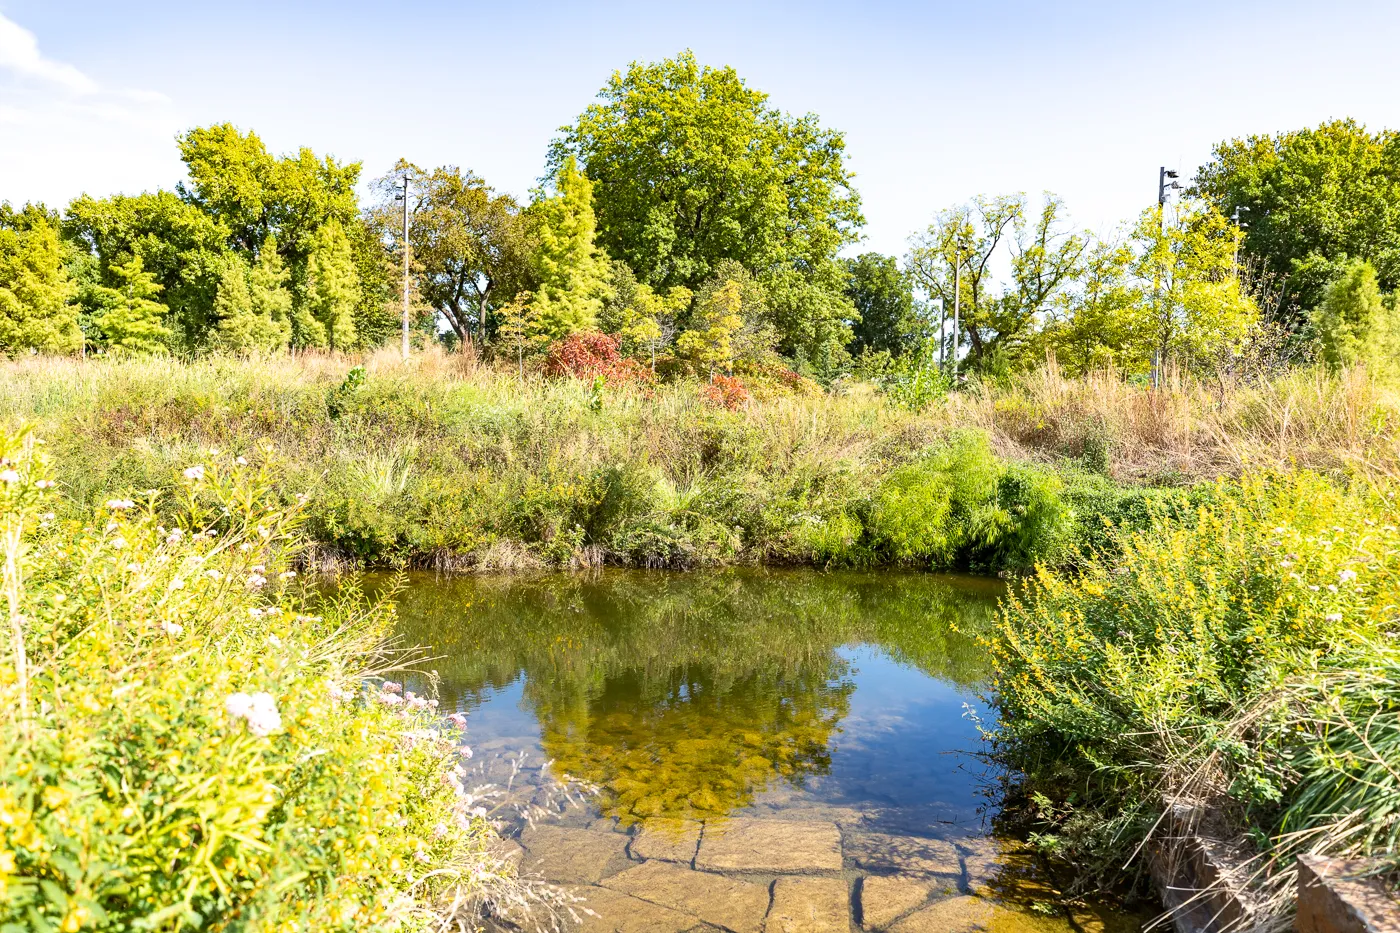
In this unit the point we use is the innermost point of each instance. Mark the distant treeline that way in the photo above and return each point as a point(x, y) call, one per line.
point(701, 228)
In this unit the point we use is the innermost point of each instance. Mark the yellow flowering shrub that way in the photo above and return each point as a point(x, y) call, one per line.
point(189, 740)
point(1117, 682)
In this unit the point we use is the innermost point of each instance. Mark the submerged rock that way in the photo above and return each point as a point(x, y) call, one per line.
point(884, 852)
point(810, 905)
point(884, 899)
point(671, 840)
point(559, 853)
point(724, 902)
point(782, 846)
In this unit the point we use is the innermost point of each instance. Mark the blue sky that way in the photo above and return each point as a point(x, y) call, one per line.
point(938, 101)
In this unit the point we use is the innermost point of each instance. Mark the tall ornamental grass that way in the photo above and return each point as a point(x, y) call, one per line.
point(1237, 658)
point(188, 741)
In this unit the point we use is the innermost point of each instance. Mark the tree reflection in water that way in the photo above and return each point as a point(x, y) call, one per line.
point(684, 695)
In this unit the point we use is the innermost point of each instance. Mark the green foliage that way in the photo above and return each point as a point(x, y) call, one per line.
point(471, 245)
point(1314, 197)
point(1196, 307)
point(1098, 326)
point(693, 167)
point(571, 271)
point(188, 740)
point(326, 317)
point(961, 506)
point(35, 292)
point(884, 298)
point(1355, 324)
point(728, 322)
point(128, 317)
point(1138, 676)
point(181, 246)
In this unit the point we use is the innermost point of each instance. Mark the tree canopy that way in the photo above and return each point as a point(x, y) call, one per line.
point(1312, 200)
point(693, 167)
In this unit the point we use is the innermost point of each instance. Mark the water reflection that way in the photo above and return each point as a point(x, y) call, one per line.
point(694, 696)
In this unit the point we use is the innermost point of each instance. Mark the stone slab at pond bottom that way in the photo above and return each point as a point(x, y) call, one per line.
point(558, 853)
point(774, 846)
point(725, 902)
point(810, 905)
point(884, 899)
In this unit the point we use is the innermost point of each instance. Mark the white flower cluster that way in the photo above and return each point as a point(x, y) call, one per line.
point(259, 710)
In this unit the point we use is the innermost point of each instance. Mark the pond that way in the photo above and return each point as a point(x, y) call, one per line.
point(740, 750)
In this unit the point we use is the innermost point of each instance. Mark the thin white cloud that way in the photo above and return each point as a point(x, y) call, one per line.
point(19, 54)
point(64, 132)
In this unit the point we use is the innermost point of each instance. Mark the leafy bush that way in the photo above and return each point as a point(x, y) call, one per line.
point(1139, 677)
point(186, 744)
point(589, 355)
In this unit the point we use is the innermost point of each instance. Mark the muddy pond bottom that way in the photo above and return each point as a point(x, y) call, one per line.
point(745, 750)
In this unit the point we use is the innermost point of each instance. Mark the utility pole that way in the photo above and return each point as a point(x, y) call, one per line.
point(957, 307)
point(404, 198)
point(1235, 259)
point(1164, 189)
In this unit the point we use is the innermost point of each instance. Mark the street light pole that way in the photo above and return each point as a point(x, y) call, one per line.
point(957, 308)
point(1235, 259)
point(1166, 183)
point(404, 198)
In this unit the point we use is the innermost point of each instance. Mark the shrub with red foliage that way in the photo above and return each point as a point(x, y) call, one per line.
point(728, 391)
point(586, 356)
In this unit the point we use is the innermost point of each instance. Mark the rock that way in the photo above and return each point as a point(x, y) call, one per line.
point(883, 852)
point(809, 905)
point(605, 824)
point(615, 912)
point(884, 899)
point(770, 846)
point(846, 817)
point(968, 914)
point(671, 840)
point(506, 850)
point(724, 902)
point(559, 853)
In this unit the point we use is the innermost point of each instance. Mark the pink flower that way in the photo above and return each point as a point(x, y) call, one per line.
point(195, 472)
point(9, 476)
point(458, 719)
point(259, 710)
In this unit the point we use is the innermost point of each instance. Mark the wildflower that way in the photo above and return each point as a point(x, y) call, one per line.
point(479, 812)
point(256, 580)
point(213, 574)
point(241, 461)
point(337, 693)
point(273, 610)
point(118, 542)
point(465, 751)
point(287, 575)
point(259, 710)
point(1346, 576)
point(458, 719)
point(195, 473)
point(120, 505)
point(390, 687)
point(45, 484)
point(255, 613)
point(213, 451)
point(274, 641)
point(9, 476)
point(440, 830)
point(175, 537)
point(389, 699)
point(47, 516)
point(1334, 617)
point(171, 628)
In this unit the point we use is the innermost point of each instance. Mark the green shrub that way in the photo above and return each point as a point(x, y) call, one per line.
point(186, 744)
point(1127, 681)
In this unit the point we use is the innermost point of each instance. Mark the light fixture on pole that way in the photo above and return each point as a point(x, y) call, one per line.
point(1239, 226)
point(403, 196)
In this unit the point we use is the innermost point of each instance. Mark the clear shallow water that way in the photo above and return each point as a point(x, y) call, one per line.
point(707, 700)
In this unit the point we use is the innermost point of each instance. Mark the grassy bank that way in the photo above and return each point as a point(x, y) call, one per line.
point(448, 466)
point(1238, 657)
point(187, 741)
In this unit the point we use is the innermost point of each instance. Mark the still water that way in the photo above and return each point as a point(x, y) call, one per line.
point(743, 750)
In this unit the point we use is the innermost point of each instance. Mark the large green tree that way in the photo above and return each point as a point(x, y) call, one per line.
point(571, 271)
point(470, 245)
point(35, 308)
point(693, 167)
point(1314, 199)
point(883, 296)
point(326, 318)
point(183, 248)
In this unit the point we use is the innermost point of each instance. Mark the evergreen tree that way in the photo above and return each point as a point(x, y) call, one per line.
point(572, 272)
point(718, 315)
point(1354, 323)
point(332, 292)
point(35, 312)
point(271, 298)
point(128, 317)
